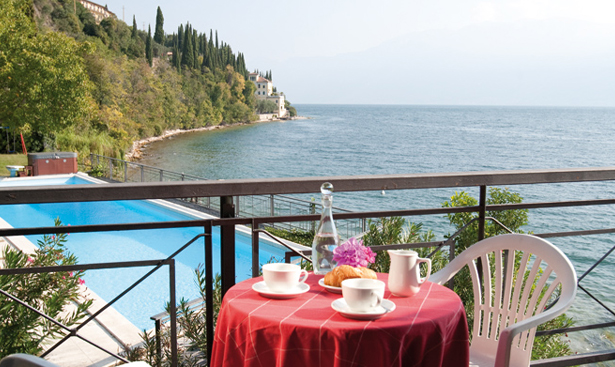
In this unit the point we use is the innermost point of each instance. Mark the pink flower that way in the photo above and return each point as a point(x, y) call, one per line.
point(81, 281)
point(353, 253)
point(63, 277)
point(30, 260)
point(70, 274)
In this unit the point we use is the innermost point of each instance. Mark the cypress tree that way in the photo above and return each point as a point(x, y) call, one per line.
point(159, 32)
point(195, 51)
point(217, 39)
point(205, 53)
point(148, 46)
point(134, 28)
point(180, 37)
point(188, 50)
point(175, 57)
point(211, 55)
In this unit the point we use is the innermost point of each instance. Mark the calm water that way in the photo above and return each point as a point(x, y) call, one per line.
point(359, 139)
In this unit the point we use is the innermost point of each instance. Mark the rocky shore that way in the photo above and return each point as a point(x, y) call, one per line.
point(135, 152)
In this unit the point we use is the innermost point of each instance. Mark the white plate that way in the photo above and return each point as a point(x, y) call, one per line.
point(340, 306)
point(264, 291)
point(330, 288)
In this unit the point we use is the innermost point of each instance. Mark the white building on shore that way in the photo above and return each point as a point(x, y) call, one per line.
point(98, 11)
point(264, 91)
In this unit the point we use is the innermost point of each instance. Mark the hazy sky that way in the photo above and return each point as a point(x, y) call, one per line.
point(527, 52)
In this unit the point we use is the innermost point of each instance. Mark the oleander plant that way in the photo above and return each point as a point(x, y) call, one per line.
point(55, 294)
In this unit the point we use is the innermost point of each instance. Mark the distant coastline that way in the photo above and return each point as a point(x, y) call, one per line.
point(135, 152)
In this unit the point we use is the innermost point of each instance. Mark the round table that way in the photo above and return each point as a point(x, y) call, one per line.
point(428, 329)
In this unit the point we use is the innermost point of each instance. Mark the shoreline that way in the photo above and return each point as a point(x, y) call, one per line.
point(135, 152)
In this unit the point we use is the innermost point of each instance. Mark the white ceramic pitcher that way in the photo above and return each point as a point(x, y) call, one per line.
point(404, 274)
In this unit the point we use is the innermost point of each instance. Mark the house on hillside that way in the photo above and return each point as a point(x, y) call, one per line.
point(264, 91)
point(98, 11)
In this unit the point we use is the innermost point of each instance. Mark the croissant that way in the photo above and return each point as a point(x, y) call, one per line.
point(335, 277)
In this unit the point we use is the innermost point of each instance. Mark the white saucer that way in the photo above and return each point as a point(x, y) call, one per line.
point(340, 306)
point(330, 288)
point(264, 291)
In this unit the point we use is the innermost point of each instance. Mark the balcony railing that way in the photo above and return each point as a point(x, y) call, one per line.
point(224, 191)
point(247, 206)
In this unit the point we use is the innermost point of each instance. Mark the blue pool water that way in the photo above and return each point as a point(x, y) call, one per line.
point(150, 297)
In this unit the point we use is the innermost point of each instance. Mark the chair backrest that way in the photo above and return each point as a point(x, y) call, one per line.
point(513, 278)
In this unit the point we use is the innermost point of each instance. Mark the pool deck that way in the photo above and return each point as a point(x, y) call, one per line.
point(109, 330)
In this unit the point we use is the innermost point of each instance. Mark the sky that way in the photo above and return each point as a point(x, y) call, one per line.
point(434, 52)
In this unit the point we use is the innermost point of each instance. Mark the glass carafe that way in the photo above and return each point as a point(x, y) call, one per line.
point(326, 238)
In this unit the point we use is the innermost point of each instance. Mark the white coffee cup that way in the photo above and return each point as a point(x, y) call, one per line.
point(363, 295)
point(282, 277)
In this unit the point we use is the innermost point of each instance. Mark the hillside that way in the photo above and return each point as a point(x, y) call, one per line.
point(71, 84)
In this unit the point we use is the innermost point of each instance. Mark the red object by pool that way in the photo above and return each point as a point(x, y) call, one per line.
point(52, 163)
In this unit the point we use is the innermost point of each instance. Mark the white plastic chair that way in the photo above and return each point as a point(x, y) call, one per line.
point(510, 302)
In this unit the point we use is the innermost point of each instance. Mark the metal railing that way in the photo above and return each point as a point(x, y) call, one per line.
point(246, 206)
point(226, 190)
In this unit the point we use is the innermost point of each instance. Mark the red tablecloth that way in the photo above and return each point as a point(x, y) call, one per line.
point(429, 329)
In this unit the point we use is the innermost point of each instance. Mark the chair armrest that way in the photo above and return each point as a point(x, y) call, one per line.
point(502, 358)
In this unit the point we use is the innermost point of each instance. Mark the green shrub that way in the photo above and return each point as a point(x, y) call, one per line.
point(191, 325)
point(23, 330)
point(543, 347)
point(395, 230)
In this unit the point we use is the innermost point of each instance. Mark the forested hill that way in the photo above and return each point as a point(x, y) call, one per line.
point(71, 84)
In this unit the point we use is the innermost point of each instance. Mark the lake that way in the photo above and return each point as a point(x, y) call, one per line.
point(383, 139)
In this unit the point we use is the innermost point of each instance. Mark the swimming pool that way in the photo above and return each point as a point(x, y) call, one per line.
point(150, 297)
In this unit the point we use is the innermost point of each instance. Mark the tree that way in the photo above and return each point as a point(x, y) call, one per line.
point(148, 46)
point(266, 106)
point(180, 37)
point(291, 110)
point(134, 33)
point(44, 86)
point(159, 31)
point(188, 49)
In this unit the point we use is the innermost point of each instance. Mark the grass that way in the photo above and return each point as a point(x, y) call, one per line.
point(11, 159)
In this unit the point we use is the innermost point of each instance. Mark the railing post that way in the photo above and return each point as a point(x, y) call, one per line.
point(173, 313)
point(142, 173)
point(209, 292)
point(313, 211)
point(125, 171)
point(227, 244)
point(482, 212)
point(255, 250)
point(271, 204)
point(110, 169)
point(161, 175)
point(237, 207)
point(158, 342)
